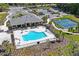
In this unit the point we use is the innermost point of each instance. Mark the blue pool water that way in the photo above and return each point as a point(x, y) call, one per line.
point(33, 36)
point(66, 23)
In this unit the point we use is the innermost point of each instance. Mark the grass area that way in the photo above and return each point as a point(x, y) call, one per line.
point(68, 36)
point(2, 17)
point(72, 37)
point(71, 17)
point(72, 45)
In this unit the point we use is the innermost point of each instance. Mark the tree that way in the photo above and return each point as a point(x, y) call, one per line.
point(60, 33)
point(70, 48)
point(45, 18)
point(4, 6)
point(69, 8)
point(71, 29)
point(35, 12)
point(63, 34)
point(6, 46)
point(50, 23)
point(77, 28)
point(77, 12)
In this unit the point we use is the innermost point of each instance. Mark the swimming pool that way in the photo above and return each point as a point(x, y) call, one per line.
point(66, 23)
point(33, 36)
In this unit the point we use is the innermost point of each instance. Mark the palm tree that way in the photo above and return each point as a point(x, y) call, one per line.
point(60, 33)
point(61, 37)
point(77, 28)
point(71, 29)
point(63, 34)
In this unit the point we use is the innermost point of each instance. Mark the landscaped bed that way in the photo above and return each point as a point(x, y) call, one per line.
point(2, 17)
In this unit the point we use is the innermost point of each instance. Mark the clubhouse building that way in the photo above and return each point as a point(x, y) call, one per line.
point(22, 18)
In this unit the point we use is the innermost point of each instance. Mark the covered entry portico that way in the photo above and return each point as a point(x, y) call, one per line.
point(27, 25)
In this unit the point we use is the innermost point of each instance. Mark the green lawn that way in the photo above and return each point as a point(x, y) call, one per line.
point(72, 37)
point(2, 17)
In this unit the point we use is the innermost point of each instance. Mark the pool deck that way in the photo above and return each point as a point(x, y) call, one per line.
point(20, 43)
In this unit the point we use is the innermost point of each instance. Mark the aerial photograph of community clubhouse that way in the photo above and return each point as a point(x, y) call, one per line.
point(39, 29)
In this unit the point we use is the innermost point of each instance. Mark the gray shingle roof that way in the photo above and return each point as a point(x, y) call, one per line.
point(27, 18)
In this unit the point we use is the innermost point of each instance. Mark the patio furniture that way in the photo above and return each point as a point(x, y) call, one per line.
point(38, 42)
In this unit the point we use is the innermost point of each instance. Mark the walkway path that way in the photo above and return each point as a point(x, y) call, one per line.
point(7, 18)
point(4, 26)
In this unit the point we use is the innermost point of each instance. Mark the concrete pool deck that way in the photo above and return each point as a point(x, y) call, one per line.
point(20, 43)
